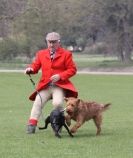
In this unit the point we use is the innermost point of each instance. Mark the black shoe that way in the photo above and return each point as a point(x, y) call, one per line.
point(31, 129)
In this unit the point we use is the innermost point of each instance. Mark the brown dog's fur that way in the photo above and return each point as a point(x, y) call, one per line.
point(81, 111)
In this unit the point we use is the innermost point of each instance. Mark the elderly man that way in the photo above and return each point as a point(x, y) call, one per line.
point(57, 67)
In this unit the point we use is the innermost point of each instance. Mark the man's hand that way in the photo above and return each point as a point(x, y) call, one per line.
point(55, 78)
point(28, 70)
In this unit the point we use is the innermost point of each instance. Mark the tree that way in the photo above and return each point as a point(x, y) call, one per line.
point(8, 11)
point(108, 21)
point(118, 15)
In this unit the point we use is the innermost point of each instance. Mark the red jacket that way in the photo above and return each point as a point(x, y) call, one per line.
point(62, 64)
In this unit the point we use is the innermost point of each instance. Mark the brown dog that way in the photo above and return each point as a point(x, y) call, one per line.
point(81, 111)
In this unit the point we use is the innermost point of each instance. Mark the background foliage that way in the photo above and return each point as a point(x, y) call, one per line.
point(106, 25)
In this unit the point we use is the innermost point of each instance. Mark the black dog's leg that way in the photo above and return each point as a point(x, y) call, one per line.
point(59, 130)
point(67, 130)
point(57, 135)
point(56, 130)
point(47, 121)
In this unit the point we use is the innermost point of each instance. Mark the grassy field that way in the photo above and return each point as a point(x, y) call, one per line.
point(116, 140)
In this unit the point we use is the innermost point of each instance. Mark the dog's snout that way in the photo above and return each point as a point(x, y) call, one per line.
point(69, 110)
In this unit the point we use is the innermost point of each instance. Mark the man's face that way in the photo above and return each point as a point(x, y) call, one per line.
point(53, 45)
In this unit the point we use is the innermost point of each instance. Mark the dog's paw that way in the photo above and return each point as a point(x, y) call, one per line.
point(57, 135)
point(73, 130)
point(71, 135)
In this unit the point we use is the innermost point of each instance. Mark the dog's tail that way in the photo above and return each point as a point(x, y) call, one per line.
point(106, 106)
point(41, 128)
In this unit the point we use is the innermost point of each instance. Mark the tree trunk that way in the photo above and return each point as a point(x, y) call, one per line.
point(124, 45)
point(127, 48)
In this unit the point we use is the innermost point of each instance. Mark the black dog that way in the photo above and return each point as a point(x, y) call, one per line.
point(57, 120)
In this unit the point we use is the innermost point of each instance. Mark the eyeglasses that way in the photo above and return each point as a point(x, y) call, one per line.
point(53, 41)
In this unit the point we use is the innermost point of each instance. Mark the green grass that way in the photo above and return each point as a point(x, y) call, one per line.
point(116, 140)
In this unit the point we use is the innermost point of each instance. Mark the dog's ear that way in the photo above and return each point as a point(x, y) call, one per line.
point(66, 99)
point(78, 101)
